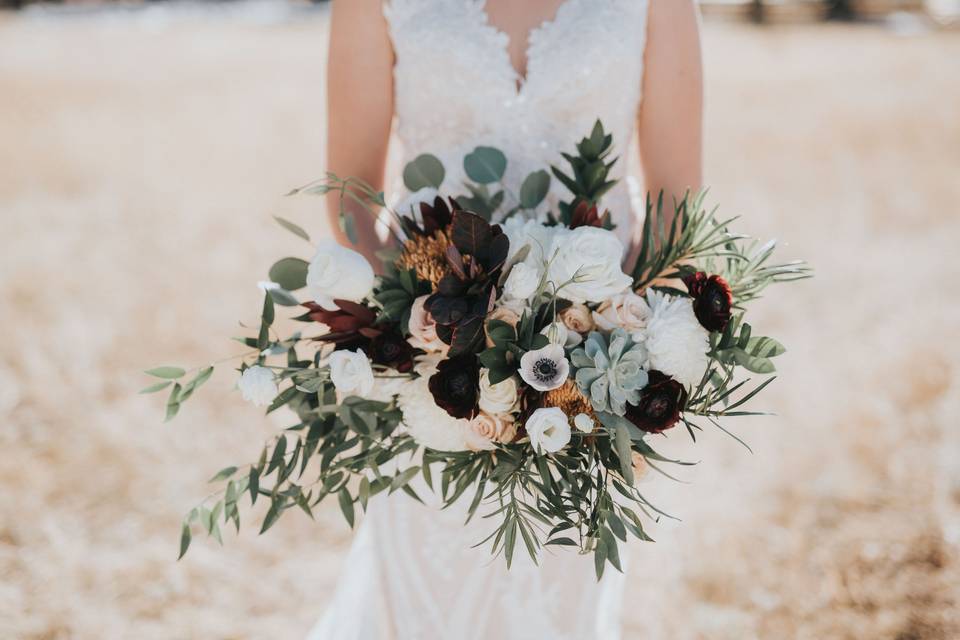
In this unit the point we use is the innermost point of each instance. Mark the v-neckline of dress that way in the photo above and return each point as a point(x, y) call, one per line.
point(520, 81)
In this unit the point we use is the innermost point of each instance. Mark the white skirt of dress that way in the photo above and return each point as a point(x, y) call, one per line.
point(412, 574)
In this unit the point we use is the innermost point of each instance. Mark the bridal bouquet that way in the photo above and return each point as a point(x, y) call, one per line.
point(514, 365)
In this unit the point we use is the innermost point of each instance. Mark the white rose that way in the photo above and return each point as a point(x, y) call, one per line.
point(549, 429)
point(558, 333)
point(625, 310)
point(523, 282)
point(410, 205)
point(423, 329)
point(350, 372)
point(591, 257)
point(338, 272)
point(258, 385)
point(497, 398)
point(538, 236)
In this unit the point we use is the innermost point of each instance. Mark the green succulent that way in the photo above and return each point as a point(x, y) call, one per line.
point(610, 371)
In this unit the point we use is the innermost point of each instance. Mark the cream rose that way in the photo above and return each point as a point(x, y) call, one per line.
point(625, 310)
point(585, 264)
point(423, 330)
point(577, 318)
point(487, 429)
point(338, 272)
point(350, 372)
point(497, 398)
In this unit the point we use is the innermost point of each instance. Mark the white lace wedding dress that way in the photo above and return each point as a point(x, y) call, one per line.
point(412, 573)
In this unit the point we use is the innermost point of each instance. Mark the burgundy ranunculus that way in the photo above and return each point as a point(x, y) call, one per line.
point(456, 386)
point(712, 300)
point(661, 402)
point(388, 348)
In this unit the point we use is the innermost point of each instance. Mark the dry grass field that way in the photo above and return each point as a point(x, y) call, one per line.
point(140, 160)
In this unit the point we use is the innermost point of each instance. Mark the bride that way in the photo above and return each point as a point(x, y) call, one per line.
point(529, 78)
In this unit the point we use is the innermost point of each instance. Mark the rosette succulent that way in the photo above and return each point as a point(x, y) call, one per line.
point(610, 371)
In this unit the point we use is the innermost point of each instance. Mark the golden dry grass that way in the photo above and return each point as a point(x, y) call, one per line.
point(140, 163)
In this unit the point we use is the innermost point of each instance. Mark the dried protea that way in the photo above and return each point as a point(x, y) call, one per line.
point(427, 255)
point(569, 398)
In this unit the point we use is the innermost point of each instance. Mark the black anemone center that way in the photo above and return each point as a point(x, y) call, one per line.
point(390, 350)
point(716, 301)
point(460, 385)
point(658, 406)
point(545, 369)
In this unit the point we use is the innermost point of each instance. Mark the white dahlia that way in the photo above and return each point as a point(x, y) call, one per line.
point(676, 342)
point(427, 423)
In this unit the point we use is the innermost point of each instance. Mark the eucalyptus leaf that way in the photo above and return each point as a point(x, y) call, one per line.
point(485, 165)
point(423, 171)
point(290, 273)
point(534, 189)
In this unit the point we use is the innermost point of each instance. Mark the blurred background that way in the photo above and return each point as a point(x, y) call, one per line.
point(143, 150)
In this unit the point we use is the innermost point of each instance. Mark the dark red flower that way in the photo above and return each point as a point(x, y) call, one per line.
point(712, 300)
point(661, 402)
point(347, 324)
point(456, 386)
point(586, 215)
point(390, 349)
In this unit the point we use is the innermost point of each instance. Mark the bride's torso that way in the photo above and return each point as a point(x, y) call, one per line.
point(455, 86)
point(412, 573)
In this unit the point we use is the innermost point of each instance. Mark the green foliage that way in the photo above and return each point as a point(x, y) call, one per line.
point(534, 189)
point(485, 165)
point(590, 170)
point(396, 291)
point(295, 229)
point(166, 372)
point(423, 171)
point(290, 273)
point(481, 200)
point(694, 236)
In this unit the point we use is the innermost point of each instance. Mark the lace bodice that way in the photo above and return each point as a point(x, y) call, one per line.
point(455, 86)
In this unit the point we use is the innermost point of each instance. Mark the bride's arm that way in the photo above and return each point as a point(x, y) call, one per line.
point(359, 107)
point(670, 119)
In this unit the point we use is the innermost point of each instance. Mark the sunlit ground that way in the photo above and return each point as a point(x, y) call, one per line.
point(140, 160)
